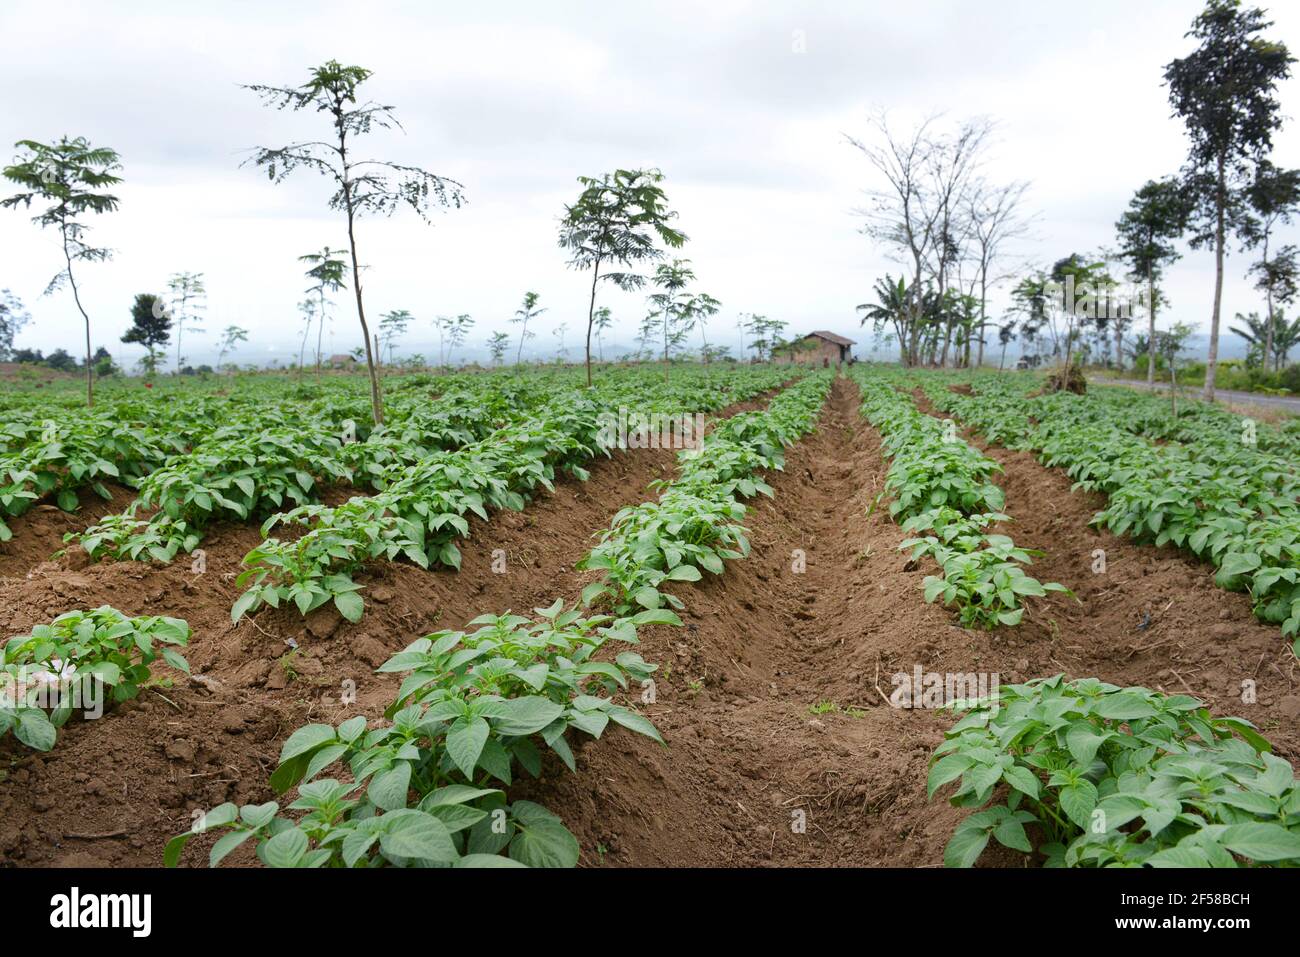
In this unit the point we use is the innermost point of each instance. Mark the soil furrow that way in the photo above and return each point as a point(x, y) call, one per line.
point(762, 644)
point(139, 773)
point(751, 774)
point(1145, 615)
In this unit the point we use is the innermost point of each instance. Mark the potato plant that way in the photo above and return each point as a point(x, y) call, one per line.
point(472, 706)
point(103, 645)
point(695, 524)
point(425, 507)
point(941, 485)
point(1233, 503)
point(1111, 776)
point(455, 826)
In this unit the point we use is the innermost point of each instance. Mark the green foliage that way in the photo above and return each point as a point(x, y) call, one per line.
point(104, 645)
point(941, 486)
point(476, 704)
point(72, 177)
point(1221, 488)
point(425, 505)
point(1115, 777)
point(151, 324)
point(694, 526)
point(472, 706)
point(616, 221)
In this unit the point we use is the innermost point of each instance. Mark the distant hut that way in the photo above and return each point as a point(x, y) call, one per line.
point(341, 361)
point(820, 348)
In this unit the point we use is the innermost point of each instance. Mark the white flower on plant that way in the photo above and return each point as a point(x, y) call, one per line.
point(17, 686)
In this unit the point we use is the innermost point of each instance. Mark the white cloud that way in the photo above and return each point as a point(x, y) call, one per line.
point(518, 99)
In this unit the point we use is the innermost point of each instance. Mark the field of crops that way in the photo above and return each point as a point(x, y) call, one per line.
point(872, 616)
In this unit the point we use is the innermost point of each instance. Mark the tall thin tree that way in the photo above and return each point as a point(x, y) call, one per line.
point(1155, 218)
point(522, 317)
point(71, 176)
point(361, 186)
point(328, 273)
point(187, 299)
point(615, 222)
point(1225, 91)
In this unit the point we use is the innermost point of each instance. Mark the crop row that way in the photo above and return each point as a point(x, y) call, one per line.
point(247, 469)
point(1214, 493)
point(427, 788)
point(1115, 777)
point(50, 449)
point(424, 507)
point(942, 492)
point(70, 662)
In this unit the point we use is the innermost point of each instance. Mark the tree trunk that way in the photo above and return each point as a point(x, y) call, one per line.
point(591, 315)
point(1212, 360)
point(1268, 296)
point(1151, 326)
point(76, 296)
point(302, 350)
point(376, 397)
point(320, 333)
point(667, 316)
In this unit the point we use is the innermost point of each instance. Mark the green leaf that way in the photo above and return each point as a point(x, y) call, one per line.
point(647, 597)
point(1011, 833)
point(388, 788)
point(635, 721)
point(946, 769)
point(655, 616)
point(684, 573)
point(1083, 741)
point(465, 742)
point(226, 844)
point(1262, 842)
point(305, 739)
point(544, 843)
point(1023, 780)
point(488, 860)
point(520, 716)
point(415, 834)
point(35, 730)
point(285, 849)
point(243, 603)
point(1078, 801)
point(175, 848)
point(1123, 706)
point(965, 846)
point(350, 605)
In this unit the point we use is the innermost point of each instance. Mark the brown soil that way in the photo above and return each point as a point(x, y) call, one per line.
point(38, 532)
point(113, 791)
point(761, 645)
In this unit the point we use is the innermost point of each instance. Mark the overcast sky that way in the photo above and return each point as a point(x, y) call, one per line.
point(742, 105)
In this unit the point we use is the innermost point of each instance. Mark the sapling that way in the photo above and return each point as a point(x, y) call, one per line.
point(72, 176)
point(615, 222)
point(361, 186)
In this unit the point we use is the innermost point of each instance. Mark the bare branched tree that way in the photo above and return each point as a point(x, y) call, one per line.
point(995, 217)
point(922, 215)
